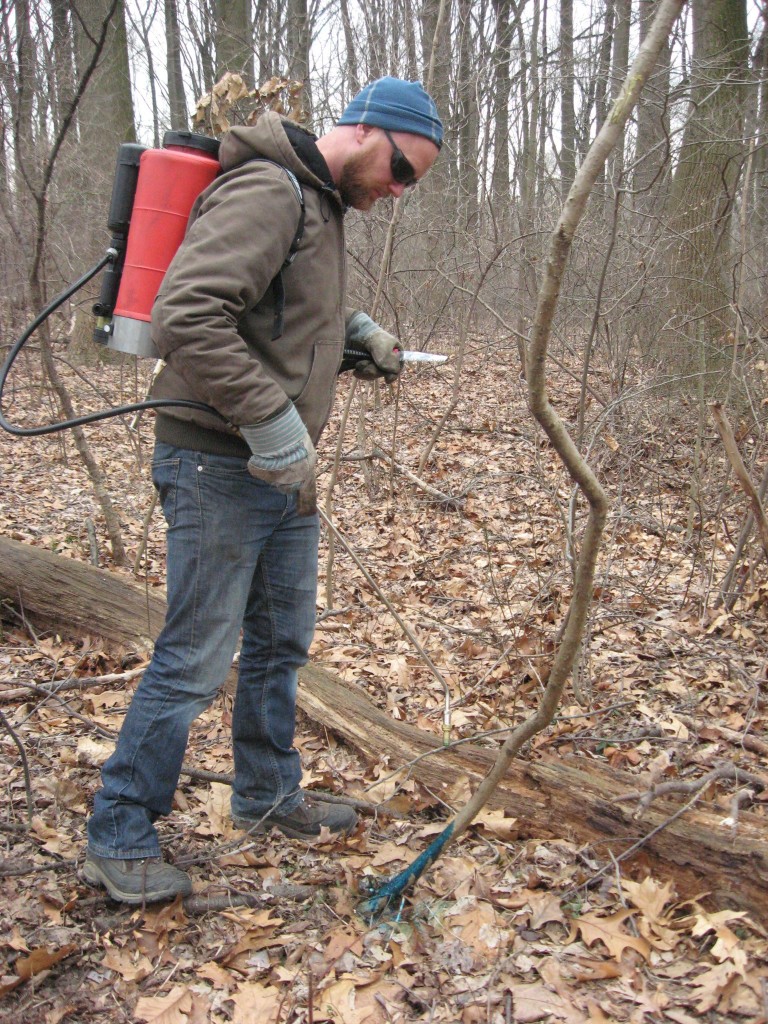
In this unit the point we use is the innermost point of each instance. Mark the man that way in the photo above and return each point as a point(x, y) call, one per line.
point(261, 343)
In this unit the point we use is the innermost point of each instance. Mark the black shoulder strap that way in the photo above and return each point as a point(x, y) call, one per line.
point(278, 290)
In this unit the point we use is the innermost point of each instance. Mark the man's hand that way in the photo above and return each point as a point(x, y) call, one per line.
point(290, 478)
point(283, 453)
point(365, 334)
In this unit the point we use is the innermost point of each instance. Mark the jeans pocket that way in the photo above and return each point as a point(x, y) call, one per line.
point(224, 467)
point(165, 475)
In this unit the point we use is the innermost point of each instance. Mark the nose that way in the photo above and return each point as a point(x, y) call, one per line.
point(396, 189)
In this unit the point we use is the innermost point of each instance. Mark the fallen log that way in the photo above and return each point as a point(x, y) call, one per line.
point(551, 797)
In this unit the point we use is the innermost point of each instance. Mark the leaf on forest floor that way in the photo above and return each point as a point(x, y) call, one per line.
point(651, 898)
point(609, 930)
point(171, 1009)
point(41, 959)
point(478, 925)
point(254, 1002)
point(127, 963)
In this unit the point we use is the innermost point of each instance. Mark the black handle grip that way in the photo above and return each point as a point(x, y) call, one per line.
point(351, 358)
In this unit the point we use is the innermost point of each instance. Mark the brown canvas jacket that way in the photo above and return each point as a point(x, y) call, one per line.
point(212, 319)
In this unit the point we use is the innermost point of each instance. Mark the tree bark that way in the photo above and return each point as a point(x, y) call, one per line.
point(298, 41)
point(705, 182)
point(234, 42)
point(177, 101)
point(105, 114)
point(567, 159)
point(552, 797)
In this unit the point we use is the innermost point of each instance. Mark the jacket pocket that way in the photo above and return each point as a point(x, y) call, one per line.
point(316, 398)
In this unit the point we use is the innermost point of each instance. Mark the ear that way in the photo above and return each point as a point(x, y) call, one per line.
point(362, 132)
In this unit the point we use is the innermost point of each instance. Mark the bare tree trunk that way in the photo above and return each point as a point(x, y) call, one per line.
point(709, 165)
point(568, 114)
point(349, 39)
point(177, 101)
point(201, 21)
point(105, 119)
point(652, 147)
point(437, 79)
point(531, 102)
point(234, 43)
point(37, 176)
point(23, 137)
point(619, 71)
point(501, 177)
point(298, 38)
point(604, 64)
point(63, 59)
point(142, 23)
point(467, 120)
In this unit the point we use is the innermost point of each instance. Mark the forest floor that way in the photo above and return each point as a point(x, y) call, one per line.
point(672, 686)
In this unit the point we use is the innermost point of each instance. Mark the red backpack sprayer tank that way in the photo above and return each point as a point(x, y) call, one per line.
point(148, 216)
point(152, 196)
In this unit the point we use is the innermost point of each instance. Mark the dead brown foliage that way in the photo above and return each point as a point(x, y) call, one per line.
point(671, 688)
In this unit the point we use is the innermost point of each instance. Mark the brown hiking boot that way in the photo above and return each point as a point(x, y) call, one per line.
point(305, 820)
point(143, 880)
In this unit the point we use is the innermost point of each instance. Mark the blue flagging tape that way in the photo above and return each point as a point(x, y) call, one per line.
point(394, 887)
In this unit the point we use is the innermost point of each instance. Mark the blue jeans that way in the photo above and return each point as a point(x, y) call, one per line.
point(239, 558)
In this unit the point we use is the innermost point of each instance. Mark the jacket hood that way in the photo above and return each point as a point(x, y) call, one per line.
point(268, 138)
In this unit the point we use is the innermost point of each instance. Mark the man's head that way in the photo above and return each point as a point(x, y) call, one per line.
point(386, 140)
point(398, 106)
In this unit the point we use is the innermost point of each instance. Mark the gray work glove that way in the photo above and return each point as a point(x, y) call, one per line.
point(384, 348)
point(284, 456)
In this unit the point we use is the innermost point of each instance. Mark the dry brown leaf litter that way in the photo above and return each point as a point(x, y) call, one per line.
point(498, 930)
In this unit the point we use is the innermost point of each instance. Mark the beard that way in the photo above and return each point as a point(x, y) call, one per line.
point(353, 188)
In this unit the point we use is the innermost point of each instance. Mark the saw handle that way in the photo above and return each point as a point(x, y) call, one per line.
point(353, 356)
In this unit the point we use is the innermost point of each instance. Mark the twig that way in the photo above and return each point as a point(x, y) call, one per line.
point(379, 453)
point(743, 739)
point(201, 904)
point(667, 13)
point(329, 613)
point(82, 683)
point(108, 734)
point(24, 765)
point(144, 532)
point(334, 476)
point(723, 771)
point(25, 868)
point(737, 800)
point(93, 542)
point(365, 806)
point(734, 457)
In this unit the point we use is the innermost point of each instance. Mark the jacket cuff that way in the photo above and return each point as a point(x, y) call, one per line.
point(277, 435)
point(359, 326)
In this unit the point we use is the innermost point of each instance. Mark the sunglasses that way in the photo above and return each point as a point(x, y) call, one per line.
point(402, 168)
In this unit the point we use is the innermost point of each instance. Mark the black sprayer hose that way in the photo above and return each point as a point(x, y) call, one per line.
point(154, 403)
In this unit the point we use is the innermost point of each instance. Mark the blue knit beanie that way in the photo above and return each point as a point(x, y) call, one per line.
point(398, 106)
